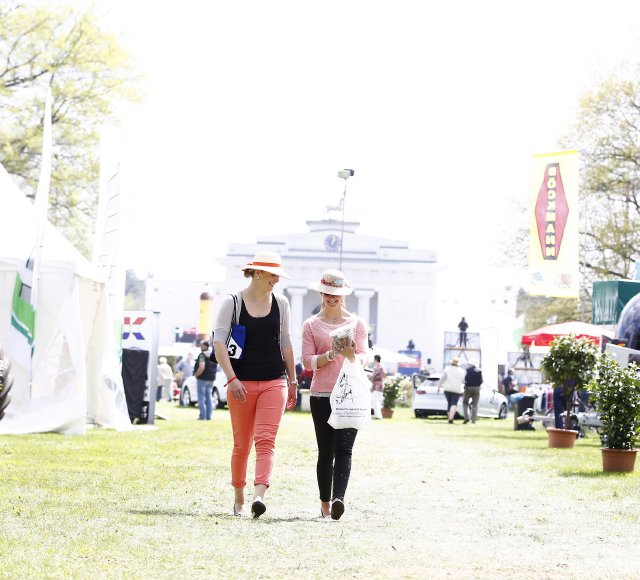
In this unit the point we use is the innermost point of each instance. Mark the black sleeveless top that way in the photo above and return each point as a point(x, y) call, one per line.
point(262, 359)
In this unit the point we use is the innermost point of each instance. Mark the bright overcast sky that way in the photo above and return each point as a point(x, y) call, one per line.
point(253, 107)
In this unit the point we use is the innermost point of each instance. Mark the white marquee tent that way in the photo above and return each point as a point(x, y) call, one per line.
point(76, 371)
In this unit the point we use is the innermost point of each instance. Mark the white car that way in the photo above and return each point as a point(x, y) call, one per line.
point(428, 401)
point(189, 391)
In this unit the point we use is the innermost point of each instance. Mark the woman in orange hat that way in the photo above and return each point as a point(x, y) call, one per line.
point(262, 382)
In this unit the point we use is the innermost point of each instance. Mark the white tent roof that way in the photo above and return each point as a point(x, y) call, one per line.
point(18, 233)
point(75, 377)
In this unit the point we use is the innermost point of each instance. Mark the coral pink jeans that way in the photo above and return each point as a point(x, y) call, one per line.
point(257, 419)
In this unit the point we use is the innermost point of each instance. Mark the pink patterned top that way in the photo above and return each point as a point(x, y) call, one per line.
point(316, 341)
point(377, 378)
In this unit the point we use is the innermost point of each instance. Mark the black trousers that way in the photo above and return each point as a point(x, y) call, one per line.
point(335, 448)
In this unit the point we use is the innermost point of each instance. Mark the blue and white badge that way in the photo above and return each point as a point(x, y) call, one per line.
point(235, 344)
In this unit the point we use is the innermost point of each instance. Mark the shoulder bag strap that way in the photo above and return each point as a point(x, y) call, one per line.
point(279, 299)
point(237, 307)
point(233, 316)
point(234, 319)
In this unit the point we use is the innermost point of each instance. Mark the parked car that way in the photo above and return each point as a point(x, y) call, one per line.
point(189, 391)
point(427, 401)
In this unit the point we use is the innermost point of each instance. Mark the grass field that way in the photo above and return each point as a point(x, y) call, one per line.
point(426, 500)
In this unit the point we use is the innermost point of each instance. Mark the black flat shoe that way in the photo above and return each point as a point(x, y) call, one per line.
point(258, 508)
point(337, 509)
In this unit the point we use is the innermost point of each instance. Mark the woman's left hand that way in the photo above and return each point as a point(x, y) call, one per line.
point(292, 397)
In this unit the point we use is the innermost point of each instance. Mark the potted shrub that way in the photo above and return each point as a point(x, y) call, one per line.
point(568, 366)
point(616, 395)
point(390, 394)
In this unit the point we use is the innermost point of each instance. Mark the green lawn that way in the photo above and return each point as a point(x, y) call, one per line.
point(426, 499)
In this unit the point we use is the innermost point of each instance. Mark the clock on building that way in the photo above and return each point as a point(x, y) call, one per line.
point(332, 243)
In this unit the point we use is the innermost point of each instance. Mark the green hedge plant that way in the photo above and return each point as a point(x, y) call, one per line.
point(569, 364)
point(616, 395)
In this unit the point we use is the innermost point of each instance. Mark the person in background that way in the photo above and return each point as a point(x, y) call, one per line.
point(165, 380)
point(205, 373)
point(526, 356)
point(305, 383)
point(559, 408)
point(306, 376)
point(452, 382)
point(510, 387)
point(462, 327)
point(299, 369)
point(472, 383)
point(377, 385)
point(185, 367)
point(335, 446)
point(184, 370)
point(263, 382)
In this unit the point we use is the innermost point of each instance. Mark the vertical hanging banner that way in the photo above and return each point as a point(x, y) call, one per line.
point(553, 244)
point(20, 344)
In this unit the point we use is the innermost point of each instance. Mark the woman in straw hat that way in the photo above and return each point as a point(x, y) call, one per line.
point(318, 354)
point(262, 383)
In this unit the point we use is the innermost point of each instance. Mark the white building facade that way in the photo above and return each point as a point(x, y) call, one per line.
point(402, 294)
point(395, 287)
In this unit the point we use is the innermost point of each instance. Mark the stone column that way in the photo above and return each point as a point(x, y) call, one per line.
point(296, 294)
point(364, 299)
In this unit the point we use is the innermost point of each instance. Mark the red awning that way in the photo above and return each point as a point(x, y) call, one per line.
point(545, 335)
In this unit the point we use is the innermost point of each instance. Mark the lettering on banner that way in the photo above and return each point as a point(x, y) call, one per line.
point(551, 212)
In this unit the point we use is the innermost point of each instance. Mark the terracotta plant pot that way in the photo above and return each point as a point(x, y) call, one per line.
point(561, 438)
point(387, 413)
point(618, 459)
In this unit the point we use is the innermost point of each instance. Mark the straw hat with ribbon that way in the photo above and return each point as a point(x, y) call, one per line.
point(333, 282)
point(267, 262)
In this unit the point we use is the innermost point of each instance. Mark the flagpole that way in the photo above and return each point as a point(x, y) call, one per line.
point(42, 194)
point(41, 205)
point(344, 199)
point(344, 174)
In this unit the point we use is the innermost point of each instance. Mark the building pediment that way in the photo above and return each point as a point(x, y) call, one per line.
point(323, 241)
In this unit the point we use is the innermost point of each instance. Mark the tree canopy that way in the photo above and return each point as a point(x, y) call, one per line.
point(88, 73)
point(542, 310)
point(135, 292)
point(607, 133)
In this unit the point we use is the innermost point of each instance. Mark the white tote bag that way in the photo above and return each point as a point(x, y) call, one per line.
point(351, 398)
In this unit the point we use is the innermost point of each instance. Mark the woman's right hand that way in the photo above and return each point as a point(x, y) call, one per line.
point(238, 391)
point(348, 348)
